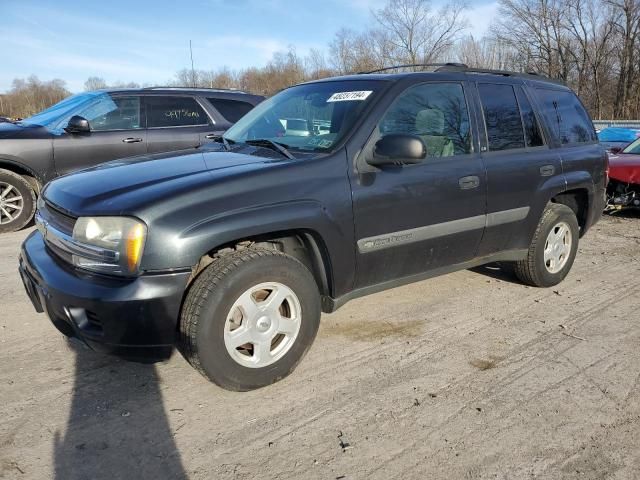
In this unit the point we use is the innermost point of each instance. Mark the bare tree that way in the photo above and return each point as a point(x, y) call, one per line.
point(29, 96)
point(592, 25)
point(628, 39)
point(416, 32)
point(353, 52)
point(94, 83)
point(487, 52)
point(535, 30)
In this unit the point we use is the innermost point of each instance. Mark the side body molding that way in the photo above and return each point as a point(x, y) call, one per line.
point(437, 230)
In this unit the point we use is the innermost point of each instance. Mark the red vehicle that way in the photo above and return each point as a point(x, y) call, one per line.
point(624, 175)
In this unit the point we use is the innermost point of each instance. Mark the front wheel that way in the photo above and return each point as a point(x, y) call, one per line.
point(249, 318)
point(553, 248)
point(17, 202)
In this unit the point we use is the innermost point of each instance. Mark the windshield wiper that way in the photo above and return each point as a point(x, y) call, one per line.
point(220, 139)
point(278, 147)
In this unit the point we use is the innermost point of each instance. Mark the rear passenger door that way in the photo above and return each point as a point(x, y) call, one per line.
point(520, 165)
point(175, 123)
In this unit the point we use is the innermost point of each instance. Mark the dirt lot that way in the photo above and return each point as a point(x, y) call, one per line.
point(470, 375)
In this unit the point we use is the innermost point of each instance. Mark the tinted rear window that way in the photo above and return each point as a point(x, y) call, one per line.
point(174, 112)
point(566, 117)
point(502, 117)
point(232, 110)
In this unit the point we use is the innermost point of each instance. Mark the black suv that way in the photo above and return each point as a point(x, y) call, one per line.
point(94, 127)
point(327, 191)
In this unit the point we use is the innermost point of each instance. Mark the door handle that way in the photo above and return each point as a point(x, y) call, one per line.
point(131, 140)
point(467, 183)
point(547, 170)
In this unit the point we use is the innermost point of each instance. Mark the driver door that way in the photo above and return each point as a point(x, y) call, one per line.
point(415, 218)
point(117, 131)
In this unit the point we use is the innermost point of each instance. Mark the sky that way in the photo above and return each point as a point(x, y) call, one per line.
point(147, 41)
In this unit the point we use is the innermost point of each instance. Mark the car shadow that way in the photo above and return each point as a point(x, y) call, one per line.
point(117, 426)
point(497, 272)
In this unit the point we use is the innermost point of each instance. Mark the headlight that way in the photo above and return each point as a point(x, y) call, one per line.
point(114, 245)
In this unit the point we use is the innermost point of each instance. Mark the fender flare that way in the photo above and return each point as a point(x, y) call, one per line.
point(308, 219)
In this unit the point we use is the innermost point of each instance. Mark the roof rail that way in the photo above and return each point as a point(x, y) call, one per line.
point(195, 88)
point(441, 65)
point(506, 73)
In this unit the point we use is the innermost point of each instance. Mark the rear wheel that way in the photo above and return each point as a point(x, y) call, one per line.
point(17, 201)
point(553, 248)
point(249, 318)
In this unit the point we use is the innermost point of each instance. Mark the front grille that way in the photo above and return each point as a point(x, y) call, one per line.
point(93, 320)
point(58, 252)
point(62, 222)
point(57, 218)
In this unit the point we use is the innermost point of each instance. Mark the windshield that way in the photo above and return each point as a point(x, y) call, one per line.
point(633, 148)
point(313, 117)
point(54, 115)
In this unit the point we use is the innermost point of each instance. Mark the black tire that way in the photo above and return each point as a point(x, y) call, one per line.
point(533, 270)
point(213, 294)
point(22, 186)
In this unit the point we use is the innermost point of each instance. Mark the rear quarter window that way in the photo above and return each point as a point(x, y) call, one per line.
point(231, 110)
point(567, 119)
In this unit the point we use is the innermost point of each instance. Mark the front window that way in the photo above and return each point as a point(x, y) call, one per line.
point(313, 117)
point(113, 113)
point(435, 112)
point(55, 115)
point(103, 111)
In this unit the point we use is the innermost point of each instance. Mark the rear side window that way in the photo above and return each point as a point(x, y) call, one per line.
point(532, 132)
point(174, 112)
point(501, 116)
point(566, 117)
point(232, 110)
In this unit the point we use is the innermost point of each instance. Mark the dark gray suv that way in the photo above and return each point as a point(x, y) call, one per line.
point(94, 127)
point(325, 192)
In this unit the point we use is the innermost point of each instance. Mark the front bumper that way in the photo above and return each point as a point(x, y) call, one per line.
point(135, 318)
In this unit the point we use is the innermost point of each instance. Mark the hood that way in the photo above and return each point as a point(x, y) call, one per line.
point(22, 130)
point(625, 167)
point(124, 186)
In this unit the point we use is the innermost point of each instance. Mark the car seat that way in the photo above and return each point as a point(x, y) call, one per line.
point(430, 127)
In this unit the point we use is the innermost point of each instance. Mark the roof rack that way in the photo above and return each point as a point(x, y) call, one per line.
point(195, 88)
point(441, 65)
point(488, 71)
point(463, 68)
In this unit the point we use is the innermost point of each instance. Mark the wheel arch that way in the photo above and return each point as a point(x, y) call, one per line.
point(577, 199)
point(24, 171)
point(305, 245)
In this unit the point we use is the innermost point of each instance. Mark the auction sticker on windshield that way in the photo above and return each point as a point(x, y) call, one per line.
point(349, 96)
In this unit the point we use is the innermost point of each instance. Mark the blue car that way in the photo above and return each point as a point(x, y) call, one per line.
point(617, 137)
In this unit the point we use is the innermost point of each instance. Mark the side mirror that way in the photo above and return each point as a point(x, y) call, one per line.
point(78, 124)
point(615, 150)
point(398, 149)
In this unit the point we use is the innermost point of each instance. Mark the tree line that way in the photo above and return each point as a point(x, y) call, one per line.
point(592, 45)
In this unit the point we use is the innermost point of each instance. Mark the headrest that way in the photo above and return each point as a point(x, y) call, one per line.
point(430, 121)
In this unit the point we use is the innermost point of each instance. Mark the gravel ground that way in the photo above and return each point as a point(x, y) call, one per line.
point(470, 375)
